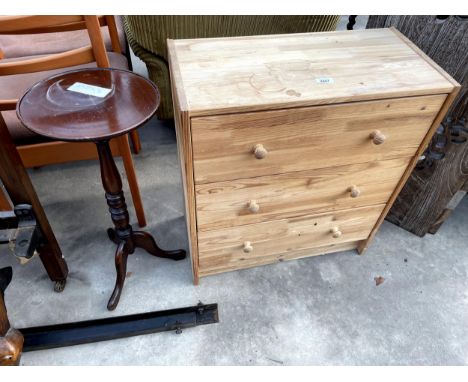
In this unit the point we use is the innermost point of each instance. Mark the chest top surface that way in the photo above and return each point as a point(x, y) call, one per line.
point(224, 75)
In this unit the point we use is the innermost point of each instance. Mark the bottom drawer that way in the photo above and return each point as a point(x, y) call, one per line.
point(258, 244)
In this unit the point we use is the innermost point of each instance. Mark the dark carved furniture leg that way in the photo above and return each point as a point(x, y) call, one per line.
point(351, 22)
point(145, 240)
point(11, 340)
point(112, 235)
point(121, 256)
point(21, 191)
point(122, 233)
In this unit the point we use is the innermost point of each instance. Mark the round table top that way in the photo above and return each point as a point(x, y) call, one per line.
point(89, 104)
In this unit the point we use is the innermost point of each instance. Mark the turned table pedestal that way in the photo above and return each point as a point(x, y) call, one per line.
point(97, 105)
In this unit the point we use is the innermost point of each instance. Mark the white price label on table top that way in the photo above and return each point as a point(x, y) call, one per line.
point(324, 80)
point(96, 91)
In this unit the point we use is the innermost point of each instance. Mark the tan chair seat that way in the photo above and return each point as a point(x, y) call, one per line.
point(14, 46)
point(13, 87)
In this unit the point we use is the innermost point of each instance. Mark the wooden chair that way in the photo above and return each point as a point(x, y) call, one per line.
point(11, 340)
point(21, 191)
point(20, 74)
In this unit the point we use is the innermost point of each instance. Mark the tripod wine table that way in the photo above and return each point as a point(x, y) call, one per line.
point(97, 105)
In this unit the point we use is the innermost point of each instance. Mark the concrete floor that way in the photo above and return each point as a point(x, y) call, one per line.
point(323, 310)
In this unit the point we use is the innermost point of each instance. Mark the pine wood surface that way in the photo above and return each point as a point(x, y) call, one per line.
point(226, 204)
point(224, 246)
point(184, 149)
point(224, 75)
point(228, 263)
point(304, 138)
point(435, 124)
point(276, 166)
point(423, 199)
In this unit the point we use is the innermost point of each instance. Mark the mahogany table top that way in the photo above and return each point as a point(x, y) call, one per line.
point(88, 104)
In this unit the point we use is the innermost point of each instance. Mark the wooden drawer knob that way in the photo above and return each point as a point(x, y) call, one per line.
point(354, 191)
point(247, 247)
point(336, 233)
point(377, 137)
point(253, 206)
point(259, 151)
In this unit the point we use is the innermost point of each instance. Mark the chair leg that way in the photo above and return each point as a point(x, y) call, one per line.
point(20, 190)
point(11, 340)
point(136, 143)
point(4, 203)
point(124, 148)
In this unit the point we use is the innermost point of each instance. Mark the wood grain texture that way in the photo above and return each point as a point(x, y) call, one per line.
point(224, 246)
point(11, 340)
point(5, 204)
point(67, 59)
point(444, 43)
point(127, 160)
point(21, 191)
point(225, 75)
point(97, 42)
point(184, 149)
point(39, 154)
point(16, 25)
point(424, 56)
point(113, 33)
point(430, 188)
point(307, 138)
point(448, 102)
point(8, 104)
point(36, 23)
point(226, 204)
point(297, 145)
point(59, 152)
point(227, 263)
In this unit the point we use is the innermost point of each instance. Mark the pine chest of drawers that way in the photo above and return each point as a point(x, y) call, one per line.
point(297, 145)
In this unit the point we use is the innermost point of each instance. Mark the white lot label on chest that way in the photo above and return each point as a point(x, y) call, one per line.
point(324, 80)
point(96, 91)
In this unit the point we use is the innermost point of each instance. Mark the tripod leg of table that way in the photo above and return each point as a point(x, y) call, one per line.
point(145, 240)
point(121, 256)
point(122, 233)
point(113, 236)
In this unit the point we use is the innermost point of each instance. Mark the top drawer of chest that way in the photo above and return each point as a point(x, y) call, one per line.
point(245, 145)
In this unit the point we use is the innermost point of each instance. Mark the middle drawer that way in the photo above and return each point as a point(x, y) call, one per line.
point(254, 200)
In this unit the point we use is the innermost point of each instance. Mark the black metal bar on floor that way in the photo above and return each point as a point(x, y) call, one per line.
point(53, 336)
